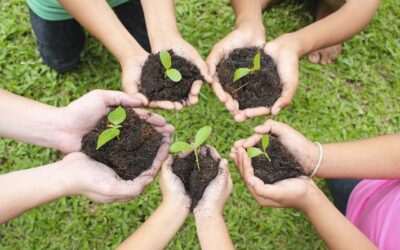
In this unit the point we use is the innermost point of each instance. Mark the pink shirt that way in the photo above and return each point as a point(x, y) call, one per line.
point(374, 207)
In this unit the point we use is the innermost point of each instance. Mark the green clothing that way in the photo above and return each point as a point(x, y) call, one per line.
point(52, 10)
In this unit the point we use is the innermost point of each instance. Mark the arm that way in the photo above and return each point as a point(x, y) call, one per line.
point(375, 158)
point(303, 194)
point(76, 174)
point(167, 219)
point(209, 210)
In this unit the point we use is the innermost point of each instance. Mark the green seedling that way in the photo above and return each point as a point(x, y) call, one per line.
point(201, 137)
point(242, 72)
point(116, 117)
point(254, 152)
point(171, 73)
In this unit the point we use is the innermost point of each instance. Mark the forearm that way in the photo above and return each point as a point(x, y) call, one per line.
point(212, 232)
point(100, 20)
point(26, 120)
point(248, 13)
point(337, 27)
point(375, 158)
point(163, 224)
point(23, 190)
point(160, 21)
point(334, 228)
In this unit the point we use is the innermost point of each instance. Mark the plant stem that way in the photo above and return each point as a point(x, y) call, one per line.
point(197, 158)
point(266, 155)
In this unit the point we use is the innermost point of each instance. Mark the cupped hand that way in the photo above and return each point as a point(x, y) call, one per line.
point(241, 37)
point(172, 187)
point(218, 191)
point(81, 116)
point(99, 182)
point(187, 51)
point(285, 53)
point(300, 192)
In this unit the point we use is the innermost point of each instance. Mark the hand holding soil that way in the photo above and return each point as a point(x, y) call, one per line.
point(164, 93)
point(255, 91)
point(140, 148)
point(98, 182)
point(81, 116)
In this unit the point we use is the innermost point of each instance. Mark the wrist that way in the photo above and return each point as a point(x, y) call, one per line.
point(253, 31)
point(164, 40)
point(206, 215)
point(63, 178)
point(313, 200)
point(135, 57)
point(178, 209)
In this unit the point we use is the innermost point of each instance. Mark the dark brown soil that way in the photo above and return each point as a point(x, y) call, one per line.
point(282, 166)
point(156, 87)
point(132, 154)
point(195, 180)
point(258, 89)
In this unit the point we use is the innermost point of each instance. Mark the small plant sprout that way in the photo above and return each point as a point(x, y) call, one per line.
point(116, 117)
point(254, 152)
point(201, 137)
point(171, 73)
point(242, 72)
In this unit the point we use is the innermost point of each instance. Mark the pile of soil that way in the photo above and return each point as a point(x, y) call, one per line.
point(157, 87)
point(283, 165)
point(196, 180)
point(257, 89)
point(132, 154)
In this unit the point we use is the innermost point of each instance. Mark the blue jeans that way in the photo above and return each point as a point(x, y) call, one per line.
point(60, 43)
point(341, 190)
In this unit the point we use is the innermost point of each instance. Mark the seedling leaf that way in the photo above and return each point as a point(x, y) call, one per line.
point(253, 152)
point(240, 72)
point(180, 146)
point(174, 75)
point(256, 62)
point(202, 136)
point(117, 116)
point(265, 141)
point(106, 136)
point(165, 58)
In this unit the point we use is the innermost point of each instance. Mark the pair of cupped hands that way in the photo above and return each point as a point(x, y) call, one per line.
point(283, 50)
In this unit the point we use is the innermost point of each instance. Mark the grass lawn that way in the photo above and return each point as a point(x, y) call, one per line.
point(357, 97)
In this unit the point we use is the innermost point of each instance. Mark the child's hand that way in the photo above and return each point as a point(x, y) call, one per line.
point(299, 192)
point(305, 151)
point(98, 182)
point(186, 50)
point(285, 53)
point(172, 188)
point(217, 192)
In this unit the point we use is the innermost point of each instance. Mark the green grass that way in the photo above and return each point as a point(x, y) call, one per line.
point(357, 97)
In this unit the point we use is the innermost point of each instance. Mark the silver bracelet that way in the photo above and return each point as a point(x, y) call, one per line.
point(321, 154)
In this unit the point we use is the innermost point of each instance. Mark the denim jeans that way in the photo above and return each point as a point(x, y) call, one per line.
point(60, 42)
point(341, 190)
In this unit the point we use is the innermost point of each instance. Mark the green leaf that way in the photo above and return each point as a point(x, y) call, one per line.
point(165, 58)
point(240, 72)
point(106, 136)
point(202, 135)
point(180, 146)
point(253, 152)
point(256, 62)
point(265, 141)
point(174, 75)
point(117, 116)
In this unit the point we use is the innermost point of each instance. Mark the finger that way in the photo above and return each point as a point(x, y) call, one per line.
point(314, 57)
point(248, 171)
point(215, 56)
point(252, 140)
point(214, 153)
point(184, 154)
point(240, 161)
point(219, 91)
point(166, 130)
point(272, 127)
point(153, 119)
point(231, 105)
point(240, 116)
point(196, 87)
point(239, 143)
point(193, 100)
point(161, 156)
point(259, 111)
point(132, 188)
point(289, 89)
point(178, 106)
point(162, 105)
point(115, 98)
point(202, 65)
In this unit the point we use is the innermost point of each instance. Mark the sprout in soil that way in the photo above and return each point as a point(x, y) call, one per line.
point(171, 73)
point(253, 152)
point(200, 138)
point(242, 72)
point(116, 117)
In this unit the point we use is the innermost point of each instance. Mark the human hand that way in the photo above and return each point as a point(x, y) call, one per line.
point(217, 192)
point(300, 192)
point(285, 52)
point(239, 38)
point(182, 48)
point(172, 188)
point(98, 182)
